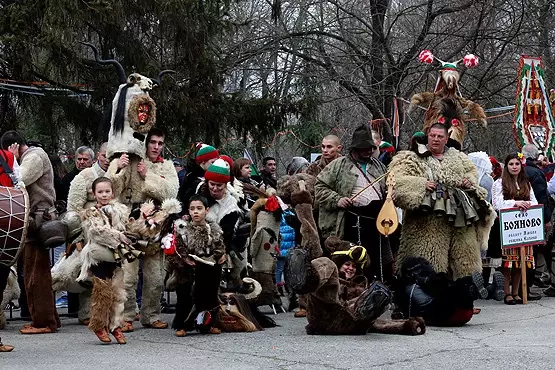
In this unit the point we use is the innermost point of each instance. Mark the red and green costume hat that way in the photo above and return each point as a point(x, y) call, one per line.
point(218, 171)
point(206, 153)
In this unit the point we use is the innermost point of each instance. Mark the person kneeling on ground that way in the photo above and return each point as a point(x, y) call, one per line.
point(340, 300)
point(421, 291)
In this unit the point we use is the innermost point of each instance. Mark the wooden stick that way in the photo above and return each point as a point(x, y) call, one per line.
point(371, 184)
point(523, 275)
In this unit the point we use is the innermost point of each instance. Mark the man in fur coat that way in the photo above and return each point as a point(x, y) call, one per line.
point(38, 177)
point(152, 178)
point(441, 177)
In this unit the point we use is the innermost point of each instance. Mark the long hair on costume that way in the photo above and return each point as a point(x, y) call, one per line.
point(510, 189)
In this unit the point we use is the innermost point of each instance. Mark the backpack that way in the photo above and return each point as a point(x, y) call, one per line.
point(299, 275)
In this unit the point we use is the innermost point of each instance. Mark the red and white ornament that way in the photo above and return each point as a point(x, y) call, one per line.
point(470, 61)
point(426, 56)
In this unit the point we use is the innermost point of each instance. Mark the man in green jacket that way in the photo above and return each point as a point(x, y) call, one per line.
point(349, 206)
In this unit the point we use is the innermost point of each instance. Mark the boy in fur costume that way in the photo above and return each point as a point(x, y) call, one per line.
point(195, 252)
point(103, 227)
point(338, 306)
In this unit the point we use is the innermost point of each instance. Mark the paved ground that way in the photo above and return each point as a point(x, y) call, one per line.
point(499, 337)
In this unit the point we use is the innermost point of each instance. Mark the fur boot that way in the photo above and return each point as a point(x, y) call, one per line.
point(119, 297)
point(102, 304)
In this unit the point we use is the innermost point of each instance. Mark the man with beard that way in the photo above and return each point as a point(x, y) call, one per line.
point(350, 199)
point(331, 150)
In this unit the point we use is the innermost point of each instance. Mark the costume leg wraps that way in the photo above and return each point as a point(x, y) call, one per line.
point(102, 304)
point(130, 278)
point(153, 274)
point(108, 298)
point(85, 305)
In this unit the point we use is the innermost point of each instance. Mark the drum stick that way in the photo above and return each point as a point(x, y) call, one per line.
point(371, 184)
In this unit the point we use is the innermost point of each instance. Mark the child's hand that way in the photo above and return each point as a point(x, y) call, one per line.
point(14, 149)
point(222, 259)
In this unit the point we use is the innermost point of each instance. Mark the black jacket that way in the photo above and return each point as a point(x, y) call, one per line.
point(268, 179)
point(539, 185)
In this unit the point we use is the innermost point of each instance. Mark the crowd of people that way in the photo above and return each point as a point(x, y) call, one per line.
point(221, 235)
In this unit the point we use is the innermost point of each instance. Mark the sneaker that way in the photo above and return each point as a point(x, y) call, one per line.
point(549, 292)
point(61, 302)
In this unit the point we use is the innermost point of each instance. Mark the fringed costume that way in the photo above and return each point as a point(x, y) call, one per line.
point(102, 256)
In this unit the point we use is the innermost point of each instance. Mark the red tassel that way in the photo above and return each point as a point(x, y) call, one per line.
point(426, 57)
point(272, 204)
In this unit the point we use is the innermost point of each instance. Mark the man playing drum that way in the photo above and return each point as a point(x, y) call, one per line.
point(37, 175)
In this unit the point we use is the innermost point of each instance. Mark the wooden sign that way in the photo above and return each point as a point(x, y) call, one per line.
point(521, 228)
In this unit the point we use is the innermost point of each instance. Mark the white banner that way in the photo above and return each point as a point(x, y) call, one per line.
point(521, 228)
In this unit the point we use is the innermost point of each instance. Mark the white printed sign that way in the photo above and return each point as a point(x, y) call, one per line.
point(521, 228)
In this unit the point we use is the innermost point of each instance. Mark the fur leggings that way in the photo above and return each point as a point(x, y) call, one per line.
point(108, 298)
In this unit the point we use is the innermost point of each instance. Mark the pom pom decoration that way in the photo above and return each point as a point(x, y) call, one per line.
point(441, 120)
point(426, 57)
point(455, 122)
point(272, 204)
point(470, 61)
point(168, 244)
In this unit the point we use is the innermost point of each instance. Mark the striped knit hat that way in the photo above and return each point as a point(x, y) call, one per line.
point(206, 153)
point(218, 171)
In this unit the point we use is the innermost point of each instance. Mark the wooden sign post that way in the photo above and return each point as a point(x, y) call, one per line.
point(519, 230)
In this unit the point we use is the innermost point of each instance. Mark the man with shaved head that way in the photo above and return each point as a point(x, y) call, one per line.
point(331, 150)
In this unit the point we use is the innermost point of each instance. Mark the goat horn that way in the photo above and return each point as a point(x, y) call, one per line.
point(119, 69)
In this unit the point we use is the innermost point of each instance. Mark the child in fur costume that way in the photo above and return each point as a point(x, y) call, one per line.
point(103, 227)
point(337, 306)
point(195, 252)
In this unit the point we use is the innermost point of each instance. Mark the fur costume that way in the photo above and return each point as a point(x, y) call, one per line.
point(264, 247)
point(327, 311)
point(239, 312)
point(104, 232)
point(439, 300)
point(11, 293)
point(159, 183)
point(108, 300)
point(450, 249)
point(196, 286)
point(447, 90)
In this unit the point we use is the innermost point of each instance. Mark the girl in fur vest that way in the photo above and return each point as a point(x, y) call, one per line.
point(195, 252)
point(103, 227)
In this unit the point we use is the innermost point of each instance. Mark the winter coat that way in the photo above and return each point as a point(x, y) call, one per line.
point(287, 234)
point(268, 179)
point(38, 177)
point(318, 165)
point(335, 182)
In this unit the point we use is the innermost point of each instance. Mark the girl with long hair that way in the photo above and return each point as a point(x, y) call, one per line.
point(513, 190)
